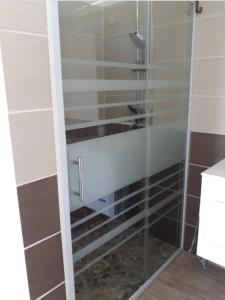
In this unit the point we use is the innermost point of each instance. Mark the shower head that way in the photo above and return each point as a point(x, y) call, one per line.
point(138, 40)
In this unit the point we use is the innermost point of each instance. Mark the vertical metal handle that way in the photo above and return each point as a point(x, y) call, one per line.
point(80, 193)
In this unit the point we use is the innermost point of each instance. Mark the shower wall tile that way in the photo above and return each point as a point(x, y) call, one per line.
point(27, 16)
point(164, 51)
point(26, 70)
point(210, 36)
point(73, 19)
point(209, 76)
point(194, 182)
point(208, 103)
point(192, 210)
point(167, 12)
point(212, 8)
point(33, 145)
point(58, 294)
point(44, 266)
point(207, 149)
point(212, 120)
point(39, 209)
point(167, 230)
point(189, 235)
point(25, 51)
point(85, 50)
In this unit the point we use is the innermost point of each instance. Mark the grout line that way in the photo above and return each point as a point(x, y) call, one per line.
point(193, 226)
point(178, 60)
point(210, 16)
point(48, 292)
point(208, 96)
point(172, 24)
point(42, 240)
point(196, 165)
point(29, 111)
point(197, 197)
point(209, 57)
point(24, 32)
point(34, 180)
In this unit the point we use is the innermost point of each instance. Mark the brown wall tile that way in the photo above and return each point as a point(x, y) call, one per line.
point(167, 230)
point(207, 149)
point(194, 180)
point(39, 210)
point(57, 294)
point(192, 210)
point(189, 234)
point(44, 266)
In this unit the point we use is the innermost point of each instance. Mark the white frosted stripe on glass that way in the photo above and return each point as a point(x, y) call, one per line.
point(107, 207)
point(98, 258)
point(100, 63)
point(117, 104)
point(121, 119)
point(124, 155)
point(163, 215)
point(107, 237)
point(107, 221)
point(165, 178)
point(97, 85)
point(85, 219)
point(104, 122)
point(126, 210)
point(124, 226)
point(108, 252)
point(108, 105)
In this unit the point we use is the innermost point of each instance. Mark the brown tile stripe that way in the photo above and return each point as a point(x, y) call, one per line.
point(57, 294)
point(39, 209)
point(192, 210)
point(194, 180)
point(167, 230)
point(189, 235)
point(44, 266)
point(207, 149)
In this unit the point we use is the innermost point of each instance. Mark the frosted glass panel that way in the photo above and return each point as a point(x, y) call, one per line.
point(125, 74)
point(109, 164)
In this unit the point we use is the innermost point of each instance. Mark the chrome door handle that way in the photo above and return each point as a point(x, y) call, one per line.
point(80, 193)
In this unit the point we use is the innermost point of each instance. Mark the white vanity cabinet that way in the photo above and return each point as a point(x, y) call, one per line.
point(211, 238)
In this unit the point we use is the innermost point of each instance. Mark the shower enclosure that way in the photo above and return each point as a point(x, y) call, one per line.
point(125, 76)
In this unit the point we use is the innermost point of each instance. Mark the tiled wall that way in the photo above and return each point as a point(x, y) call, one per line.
point(208, 104)
point(24, 42)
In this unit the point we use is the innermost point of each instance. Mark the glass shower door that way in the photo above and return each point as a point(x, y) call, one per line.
point(126, 118)
point(171, 40)
point(104, 65)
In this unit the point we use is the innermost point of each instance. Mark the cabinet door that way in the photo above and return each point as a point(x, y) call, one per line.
point(211, 241)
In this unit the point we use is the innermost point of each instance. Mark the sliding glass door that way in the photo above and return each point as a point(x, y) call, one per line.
point(125, 70)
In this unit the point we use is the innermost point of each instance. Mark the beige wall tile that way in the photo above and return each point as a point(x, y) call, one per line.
point(76, 45)
point(29, 16)
point(209, 77)
point(211, 8)
point(27, 72)
point(208, 115)
point(166, 12)
point(170, 42)
point(33, 145)
point(210, 36)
